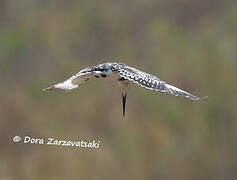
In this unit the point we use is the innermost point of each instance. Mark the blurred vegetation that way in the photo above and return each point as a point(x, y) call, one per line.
point(189, 43)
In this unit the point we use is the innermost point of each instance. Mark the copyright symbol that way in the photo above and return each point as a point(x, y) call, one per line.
point(17, 139)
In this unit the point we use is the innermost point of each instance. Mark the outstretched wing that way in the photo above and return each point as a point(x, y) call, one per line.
point(74, 81)
point(152, 82)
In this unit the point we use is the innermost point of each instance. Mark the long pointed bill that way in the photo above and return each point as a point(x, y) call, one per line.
point(124, 97)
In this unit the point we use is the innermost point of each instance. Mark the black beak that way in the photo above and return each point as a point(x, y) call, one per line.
point(124, 97)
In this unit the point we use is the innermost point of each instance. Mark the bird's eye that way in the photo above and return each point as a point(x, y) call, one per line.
point(95, 69)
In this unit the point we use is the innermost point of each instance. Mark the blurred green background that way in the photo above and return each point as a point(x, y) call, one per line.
point(191, 44)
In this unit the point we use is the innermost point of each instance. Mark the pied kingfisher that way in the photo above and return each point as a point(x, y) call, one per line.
point(122, 74)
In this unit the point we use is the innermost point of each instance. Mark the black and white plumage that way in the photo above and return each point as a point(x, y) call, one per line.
point(123, 74)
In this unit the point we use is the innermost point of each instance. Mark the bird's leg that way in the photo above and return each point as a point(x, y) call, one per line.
point(124, 97)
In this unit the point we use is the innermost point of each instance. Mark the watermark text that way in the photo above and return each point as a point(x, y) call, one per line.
point(56, 142)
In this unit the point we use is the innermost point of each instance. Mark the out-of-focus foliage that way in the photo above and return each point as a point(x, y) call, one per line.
point(189, 43)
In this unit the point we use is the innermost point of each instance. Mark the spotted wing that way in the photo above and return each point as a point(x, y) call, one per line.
point(152, 82)
point(74, 81)
point(81, 77)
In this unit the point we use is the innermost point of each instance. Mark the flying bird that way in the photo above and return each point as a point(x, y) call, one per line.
point(123, 74)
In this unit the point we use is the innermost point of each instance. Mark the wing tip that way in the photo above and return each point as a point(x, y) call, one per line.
point(200, 99)
point(49, 88)
point(204, 98)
